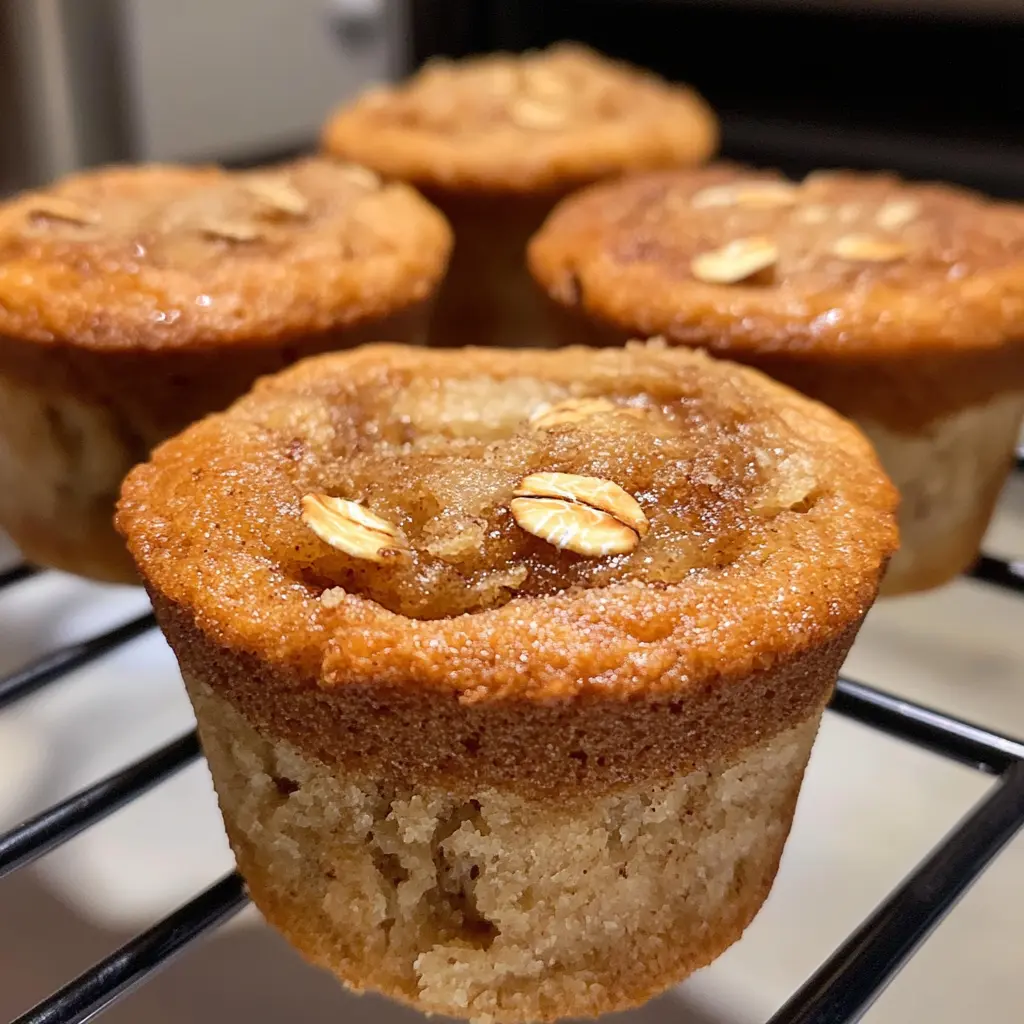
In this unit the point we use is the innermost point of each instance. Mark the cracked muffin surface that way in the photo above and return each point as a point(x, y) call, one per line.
point(507, 664)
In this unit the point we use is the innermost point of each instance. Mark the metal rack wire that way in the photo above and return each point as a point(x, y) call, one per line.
point(838, 993)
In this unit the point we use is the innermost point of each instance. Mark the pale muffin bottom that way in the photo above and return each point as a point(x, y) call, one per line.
point(64, 453)
point(496, 906)
point(949, 477)
point(61, 464)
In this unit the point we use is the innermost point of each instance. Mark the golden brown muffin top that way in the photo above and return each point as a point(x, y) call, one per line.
point(188, 257)
point(747, 262)
point(744, 523)
point(546, 120)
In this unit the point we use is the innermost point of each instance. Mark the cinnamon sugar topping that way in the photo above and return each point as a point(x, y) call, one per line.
point(461, 123)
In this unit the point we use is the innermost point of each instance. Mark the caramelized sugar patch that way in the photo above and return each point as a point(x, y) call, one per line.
point(435, 468)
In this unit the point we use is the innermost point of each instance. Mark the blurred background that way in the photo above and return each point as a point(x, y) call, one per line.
point(928, 87)
point(931, 88)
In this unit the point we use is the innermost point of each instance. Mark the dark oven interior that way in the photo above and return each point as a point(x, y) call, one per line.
point(932, 90)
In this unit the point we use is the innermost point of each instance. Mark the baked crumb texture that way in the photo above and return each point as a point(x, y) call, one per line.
point(494, 906)
point(949, 476)
point(493, 141)
point(900, 305)
point(134, 300)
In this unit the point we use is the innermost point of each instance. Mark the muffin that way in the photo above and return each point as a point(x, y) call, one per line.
point(494, 141)
point(134, 300)
point(507, 664)
point(900, 305)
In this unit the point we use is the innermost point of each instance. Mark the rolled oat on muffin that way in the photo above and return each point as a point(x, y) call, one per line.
point(900, 305)
point(494, 141)
point(133, 300)
point(507, 664)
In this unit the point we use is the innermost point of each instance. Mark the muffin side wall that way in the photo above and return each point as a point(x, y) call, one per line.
point(496, 906)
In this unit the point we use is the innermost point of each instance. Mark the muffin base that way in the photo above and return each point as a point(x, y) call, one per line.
point(488, 297)
point(73, 422)
point(61, 463)
point(494, 905)
point(949, 476)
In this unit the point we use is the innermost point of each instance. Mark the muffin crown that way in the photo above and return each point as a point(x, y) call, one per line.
point(500, 523)
point(542, 121)
point(160, 256)
point(747, 262)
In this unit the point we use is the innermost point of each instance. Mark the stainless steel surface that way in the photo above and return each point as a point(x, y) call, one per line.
point(84, 82)
point(261, 74)
point(39, 135)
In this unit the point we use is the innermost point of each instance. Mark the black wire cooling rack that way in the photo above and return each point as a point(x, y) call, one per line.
point(838, 993)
